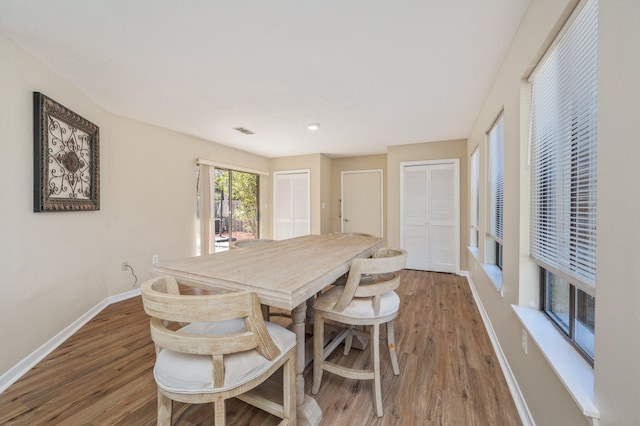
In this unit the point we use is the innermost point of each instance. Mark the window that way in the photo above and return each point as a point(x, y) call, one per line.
point(236, 207)
point(564, 113)
point(227, 207)
point(496, 192)
point(475, 198)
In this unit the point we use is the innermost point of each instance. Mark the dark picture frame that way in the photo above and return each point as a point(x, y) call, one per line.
point(66, 172)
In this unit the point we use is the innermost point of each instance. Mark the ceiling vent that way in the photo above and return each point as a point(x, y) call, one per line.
point(243, 130)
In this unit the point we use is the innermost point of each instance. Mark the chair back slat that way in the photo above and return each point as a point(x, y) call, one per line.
point(373, 276)
point(163, 304)
point(199, 344)
point(377, 287)
point(255, 324)
point(188, 308)
point(218, 371)
point(352, 234)
point(249, 243)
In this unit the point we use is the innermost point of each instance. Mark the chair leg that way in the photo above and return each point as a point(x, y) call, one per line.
point(289, 389)
point(375, 357)
point(220, 413)
point(348, 340)
point(265, 312)
point(318, 347)
point(164, 409)
point(391, 341)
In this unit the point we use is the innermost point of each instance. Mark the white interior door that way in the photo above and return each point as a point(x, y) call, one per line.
point(443, 239)
point(291, 204)
point(415, 228)
point(430, 215)
point(362, 202)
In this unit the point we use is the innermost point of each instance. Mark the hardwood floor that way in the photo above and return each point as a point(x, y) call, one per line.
point(449, 374)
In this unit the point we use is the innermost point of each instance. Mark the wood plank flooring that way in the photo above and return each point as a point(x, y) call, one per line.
point(449, 374)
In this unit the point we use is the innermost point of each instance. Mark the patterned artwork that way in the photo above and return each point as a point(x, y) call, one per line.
point(66, 158)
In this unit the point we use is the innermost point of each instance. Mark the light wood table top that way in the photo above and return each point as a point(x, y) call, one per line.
point(283, 273)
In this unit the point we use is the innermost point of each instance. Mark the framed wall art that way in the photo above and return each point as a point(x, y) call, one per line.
point(66, 158)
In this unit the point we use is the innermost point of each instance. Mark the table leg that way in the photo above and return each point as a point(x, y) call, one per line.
point(308, 410)
point(309, 324)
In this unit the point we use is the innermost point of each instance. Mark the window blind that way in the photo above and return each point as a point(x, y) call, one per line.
point(496, 184)
point(564, 152)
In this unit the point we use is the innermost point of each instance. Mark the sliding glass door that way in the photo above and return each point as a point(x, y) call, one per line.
point(235, 207)
point(227, 208)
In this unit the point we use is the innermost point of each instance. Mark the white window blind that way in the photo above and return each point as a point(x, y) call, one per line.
point(564, 152)
point(496, 178)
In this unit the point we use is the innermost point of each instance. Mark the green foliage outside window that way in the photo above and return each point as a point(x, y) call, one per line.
point(243, 197)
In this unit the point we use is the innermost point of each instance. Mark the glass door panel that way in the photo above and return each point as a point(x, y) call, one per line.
point(235, 207)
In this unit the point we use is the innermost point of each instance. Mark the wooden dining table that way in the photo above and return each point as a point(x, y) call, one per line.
point(284, 274)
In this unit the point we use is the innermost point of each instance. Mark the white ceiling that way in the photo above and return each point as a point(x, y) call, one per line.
point(373, 73)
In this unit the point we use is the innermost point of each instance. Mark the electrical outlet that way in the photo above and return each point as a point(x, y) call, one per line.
point(524, 341)
point(125, 266)
point(155, 259)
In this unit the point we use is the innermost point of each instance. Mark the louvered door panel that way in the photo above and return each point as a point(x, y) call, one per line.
point(429, 216)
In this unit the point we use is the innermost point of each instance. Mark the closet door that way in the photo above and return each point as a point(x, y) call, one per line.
point(415, 208)
point(443, 238)
point(291, 204)
point(430, 225)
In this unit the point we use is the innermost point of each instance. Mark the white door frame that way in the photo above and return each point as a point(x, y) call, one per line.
point(381, 174)
point(456, 173)
point(273, 208)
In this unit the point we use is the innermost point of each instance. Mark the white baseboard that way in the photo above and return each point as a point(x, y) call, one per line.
point(122, 296)
point(22, 367)
point(518, 398)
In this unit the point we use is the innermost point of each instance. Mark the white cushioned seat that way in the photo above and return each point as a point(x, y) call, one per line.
point(193, 374)
point(359, 307)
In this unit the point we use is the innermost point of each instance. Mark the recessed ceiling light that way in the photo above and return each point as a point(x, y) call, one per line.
point(313, 126)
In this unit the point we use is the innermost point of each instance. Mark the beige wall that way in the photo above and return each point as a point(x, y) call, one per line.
point(52, 264)
point(57, 266)
point(419, 152)
point(346, 164)
point(152, 196)
point(617, 369)
point(326, 165)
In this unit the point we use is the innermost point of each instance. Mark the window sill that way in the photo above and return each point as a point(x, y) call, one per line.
point(473, 251)
point(574, 372)
point(495, 275)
